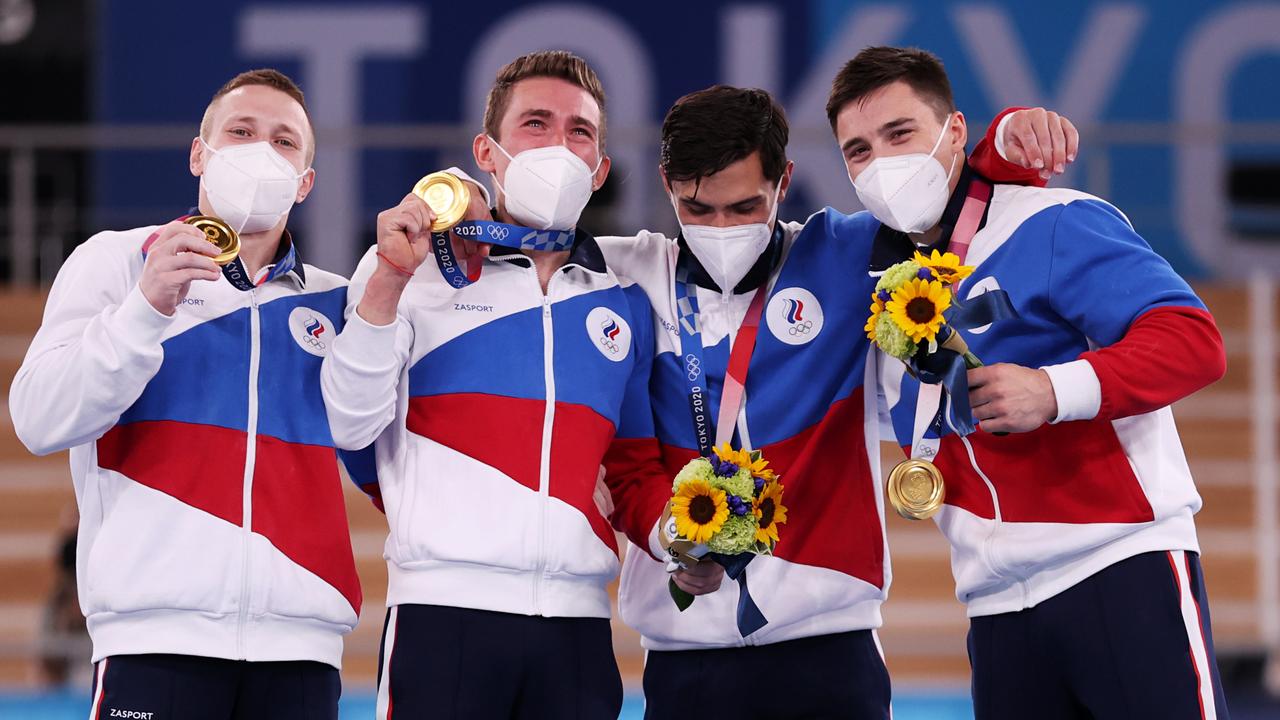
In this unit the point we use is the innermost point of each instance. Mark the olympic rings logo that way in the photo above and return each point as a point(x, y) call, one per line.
point(609, 331)
point(497, 232)
point(692, 366)
point(311, 331)
point(802, 328)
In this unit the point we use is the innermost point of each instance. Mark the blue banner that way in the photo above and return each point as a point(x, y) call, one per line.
point(1161, 78)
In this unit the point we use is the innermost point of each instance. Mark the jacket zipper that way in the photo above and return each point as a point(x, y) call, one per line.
point(548, 423)
point(249, 462)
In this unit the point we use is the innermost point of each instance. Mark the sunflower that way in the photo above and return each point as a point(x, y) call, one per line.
point(877, 307)
point(917, 308)
point(699, 511)
point(753, 462)
point(769, 512)
point(946, 267)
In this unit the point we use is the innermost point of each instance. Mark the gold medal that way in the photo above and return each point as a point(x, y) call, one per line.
point(915, 489)
point(447, 196)
point(682, 551)
point(220, 234)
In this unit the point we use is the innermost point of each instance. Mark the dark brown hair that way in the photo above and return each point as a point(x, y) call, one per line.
point(876, 67)
point(708, 130)
point(547, 63)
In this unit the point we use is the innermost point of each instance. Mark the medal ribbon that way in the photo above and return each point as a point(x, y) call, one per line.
point(944, 368)
point(735, 377)
point(749, 618)
point(235, 272)
point(496, 233)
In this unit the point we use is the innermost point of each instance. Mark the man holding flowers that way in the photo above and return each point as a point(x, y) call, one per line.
point(1069, 511)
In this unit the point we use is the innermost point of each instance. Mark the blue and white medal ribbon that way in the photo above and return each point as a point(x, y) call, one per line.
point(496, 233)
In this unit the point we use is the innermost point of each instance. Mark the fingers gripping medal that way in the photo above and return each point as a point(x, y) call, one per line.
point(220, 234)
point(915, 489)
point(448, 199)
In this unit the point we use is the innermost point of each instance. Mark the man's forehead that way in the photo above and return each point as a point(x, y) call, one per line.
point(891, 102)
point(559, 97)
point(740, 180)
point(262, 103)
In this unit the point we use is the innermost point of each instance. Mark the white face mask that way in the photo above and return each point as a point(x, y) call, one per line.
point(906, 192)
point(546, 188)
point(250, 186)
point(727, 253)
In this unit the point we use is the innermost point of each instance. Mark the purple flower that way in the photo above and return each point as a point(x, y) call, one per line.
point(737, 506)
point(925, 274)
point(759, 483)
point(884, 296)
point(724, 468)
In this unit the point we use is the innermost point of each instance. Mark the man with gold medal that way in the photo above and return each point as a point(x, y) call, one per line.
point(1069, 509)
point(493, 382)
point(180, 364)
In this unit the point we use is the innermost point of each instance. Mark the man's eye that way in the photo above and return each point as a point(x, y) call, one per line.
point(286, 142)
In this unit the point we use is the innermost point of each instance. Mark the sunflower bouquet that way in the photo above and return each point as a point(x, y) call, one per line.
point(909, 304)
point(915, 318)
point(725, 508)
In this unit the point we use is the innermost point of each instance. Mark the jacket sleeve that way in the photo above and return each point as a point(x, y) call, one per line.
point(361, 374)
point(97, 348)
point(634, 472)
point(988, 160)
point(1154, 341)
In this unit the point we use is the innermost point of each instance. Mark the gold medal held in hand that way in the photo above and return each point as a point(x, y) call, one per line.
point(915, 489)
point(220, 234)
point(447, 196)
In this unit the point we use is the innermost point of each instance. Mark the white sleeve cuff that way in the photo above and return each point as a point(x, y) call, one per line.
point(462, 175)
point(655, 547)
point(1077, 390)
point(145, 323)
point(366, 345)
point(1004, 125)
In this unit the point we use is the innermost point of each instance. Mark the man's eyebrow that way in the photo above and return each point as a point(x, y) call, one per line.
point(894, 124)
point(579, 120)
point(695, 204)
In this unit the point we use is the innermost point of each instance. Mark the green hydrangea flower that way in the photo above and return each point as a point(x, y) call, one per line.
point(737, 535)
point(696, 469)
point(898, 275)
point(893, 339)
point(741, 484)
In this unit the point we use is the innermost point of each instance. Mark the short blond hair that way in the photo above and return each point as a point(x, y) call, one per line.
point(271, 78)
point(547, 63)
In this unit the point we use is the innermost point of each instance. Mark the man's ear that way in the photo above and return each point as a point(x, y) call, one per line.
point(959, 130)
point(602, 172)
point(482, 151)
point(304, 187)
point(784, 183)
point(197, 159)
